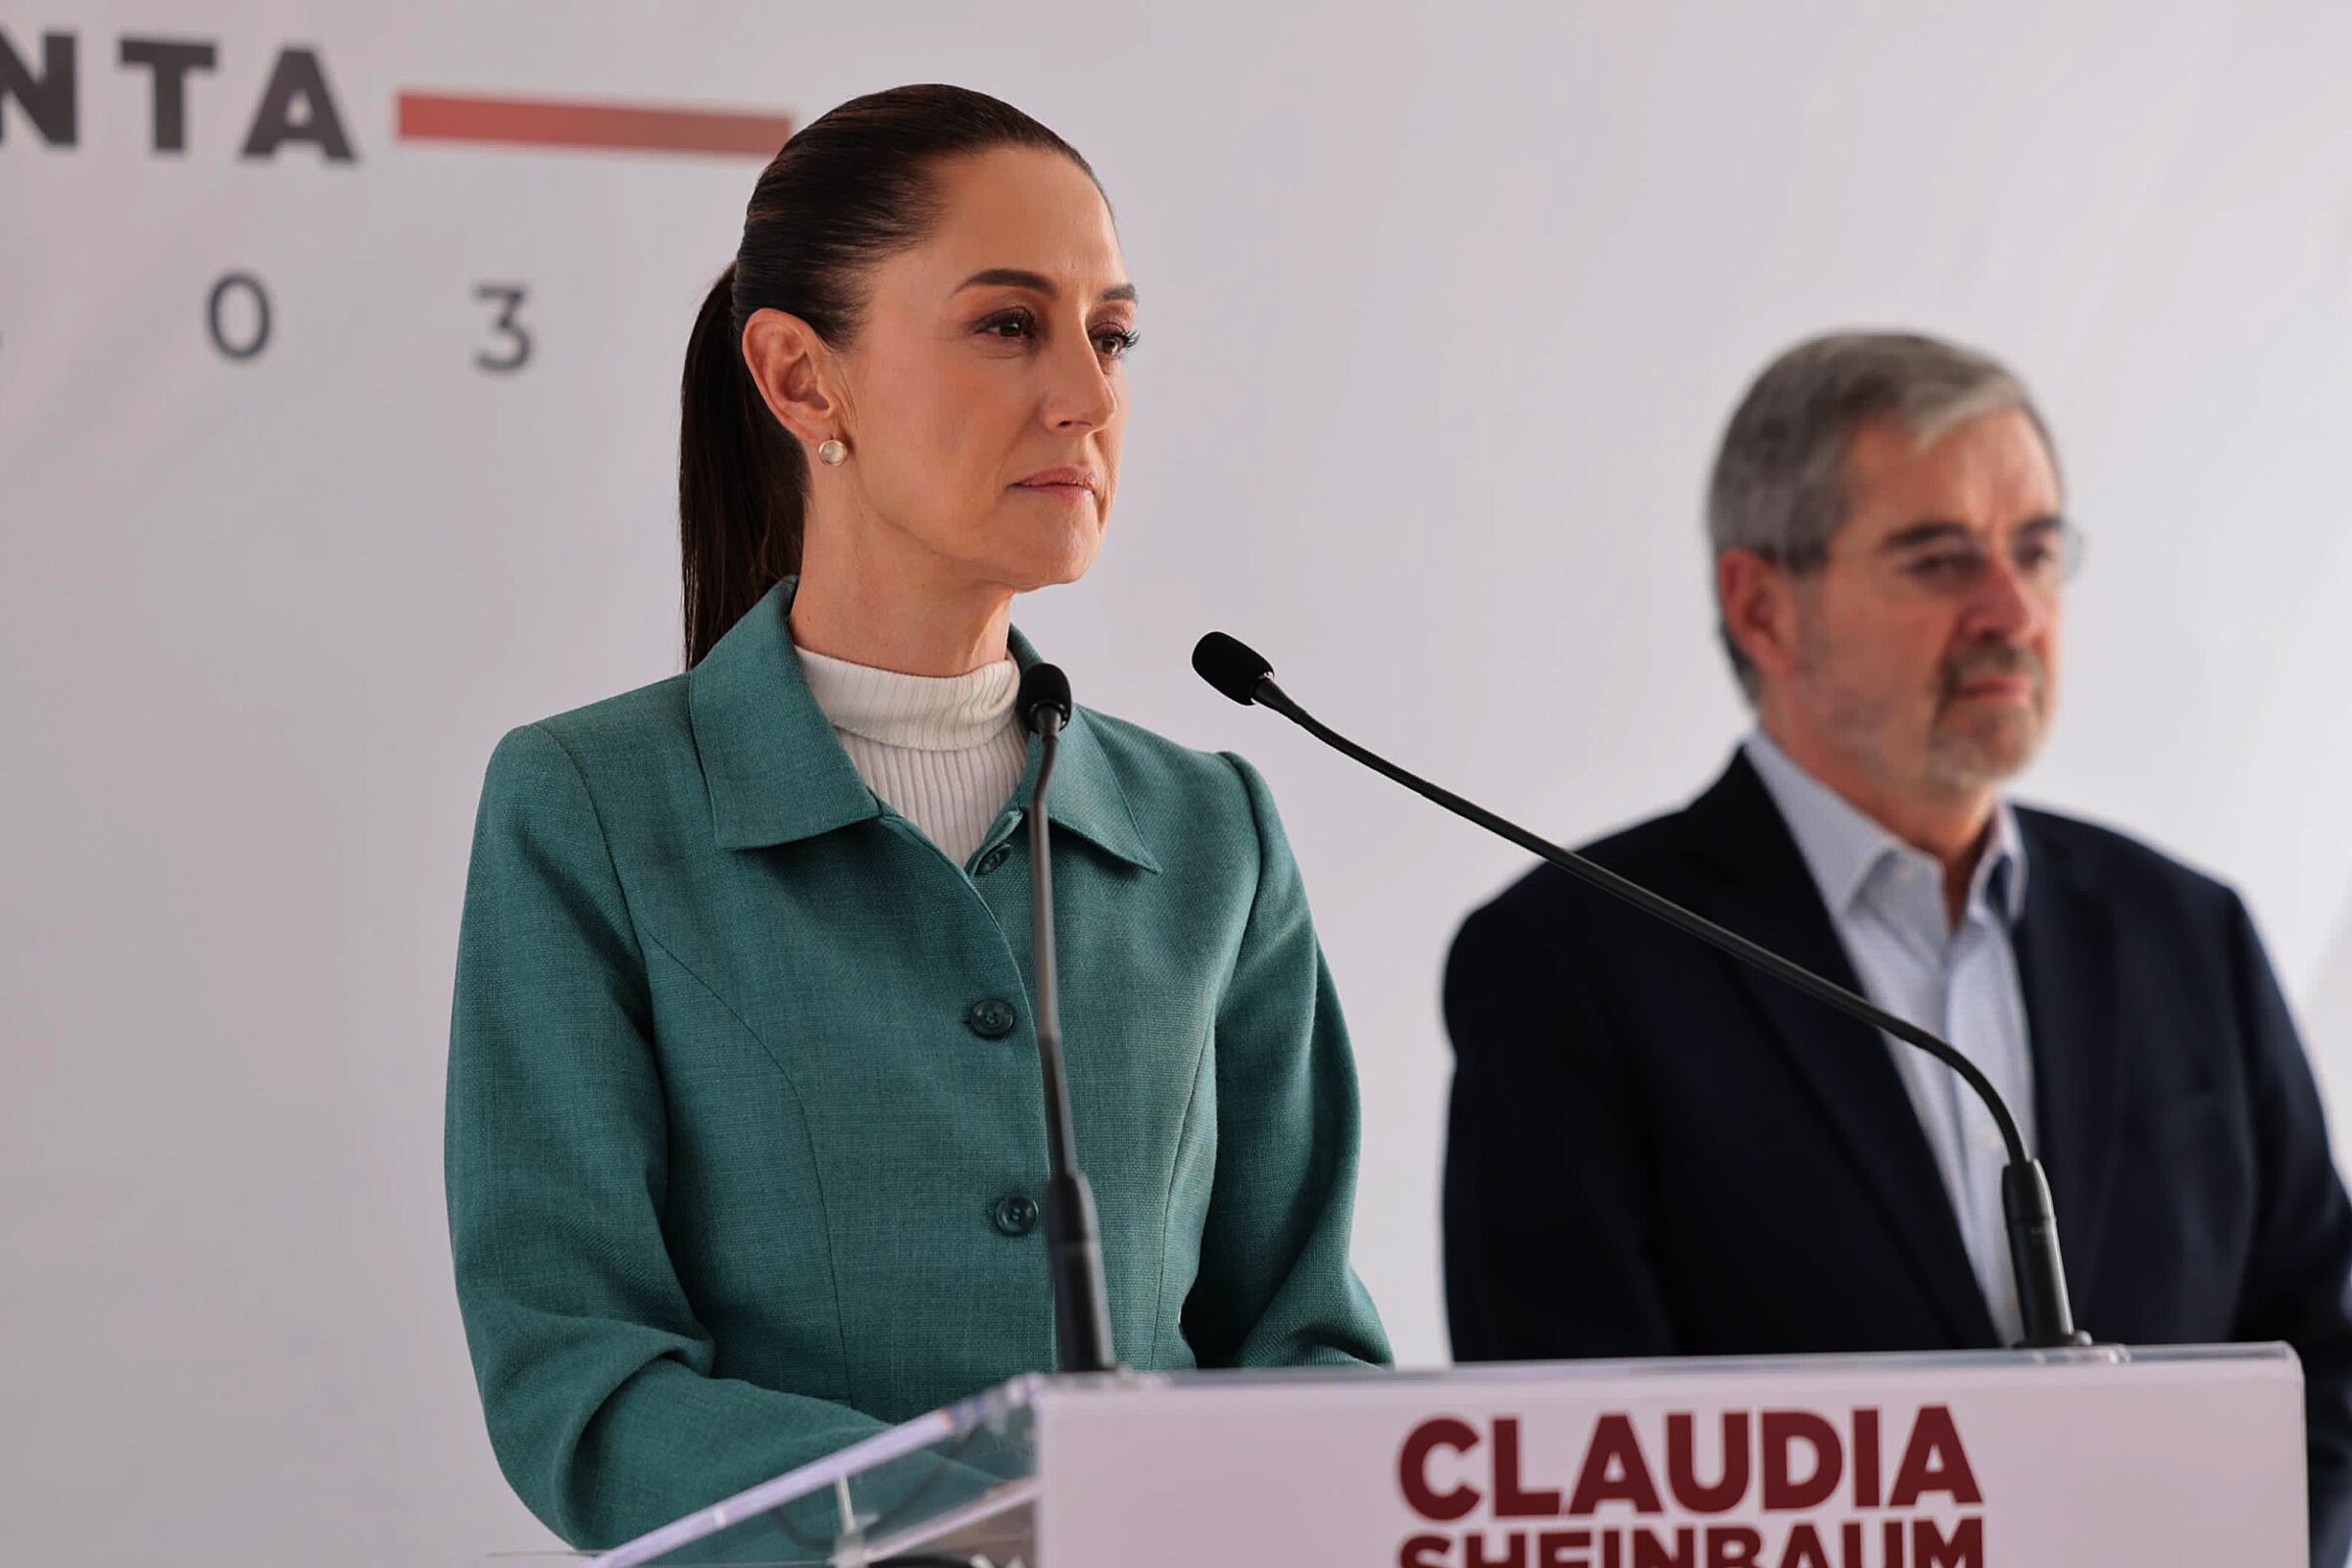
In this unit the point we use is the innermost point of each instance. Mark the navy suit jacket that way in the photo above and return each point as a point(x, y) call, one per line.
point(1654, 1151)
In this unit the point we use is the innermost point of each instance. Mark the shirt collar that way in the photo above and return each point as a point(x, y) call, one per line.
point(777, 773)
point(913, 713)
point(1844, 847)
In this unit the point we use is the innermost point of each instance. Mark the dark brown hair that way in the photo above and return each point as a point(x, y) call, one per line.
point(845, 191)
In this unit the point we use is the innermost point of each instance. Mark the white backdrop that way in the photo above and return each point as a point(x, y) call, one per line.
point(1443, 310)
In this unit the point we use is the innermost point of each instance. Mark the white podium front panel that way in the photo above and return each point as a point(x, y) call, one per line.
point(2020, 1460)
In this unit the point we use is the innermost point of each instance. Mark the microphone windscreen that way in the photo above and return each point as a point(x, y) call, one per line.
point(1043, 686)
point(1231, 666)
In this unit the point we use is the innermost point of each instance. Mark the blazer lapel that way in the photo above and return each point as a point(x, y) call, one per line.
point(1762, 889)
point(2066, 964)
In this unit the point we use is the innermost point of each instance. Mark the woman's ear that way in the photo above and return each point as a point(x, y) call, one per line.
point(790, 364)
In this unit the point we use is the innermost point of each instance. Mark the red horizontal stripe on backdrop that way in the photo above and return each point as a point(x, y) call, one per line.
point(545, 123)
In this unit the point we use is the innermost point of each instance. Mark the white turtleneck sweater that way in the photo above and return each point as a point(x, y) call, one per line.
point(943, 752)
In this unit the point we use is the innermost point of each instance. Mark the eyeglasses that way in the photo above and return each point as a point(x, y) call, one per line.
point(1946, 561)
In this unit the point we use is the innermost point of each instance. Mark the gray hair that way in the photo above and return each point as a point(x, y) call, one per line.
point(1778, 485)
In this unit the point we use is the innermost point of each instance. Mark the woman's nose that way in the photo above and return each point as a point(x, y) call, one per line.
point(1083, 395)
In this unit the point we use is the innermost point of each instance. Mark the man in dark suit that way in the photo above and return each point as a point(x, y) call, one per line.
point(1656, 1151)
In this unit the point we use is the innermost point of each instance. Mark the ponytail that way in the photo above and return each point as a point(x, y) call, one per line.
point(741, 480)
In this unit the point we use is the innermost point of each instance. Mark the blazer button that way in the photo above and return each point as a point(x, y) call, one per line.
point(994, 858)
point(1016, 1215)
point(989, 1019)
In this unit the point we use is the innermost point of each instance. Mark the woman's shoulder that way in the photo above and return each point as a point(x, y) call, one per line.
point(1167, 779)
point(618, 739)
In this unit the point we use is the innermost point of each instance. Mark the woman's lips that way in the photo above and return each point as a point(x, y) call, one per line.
point(1067, 483)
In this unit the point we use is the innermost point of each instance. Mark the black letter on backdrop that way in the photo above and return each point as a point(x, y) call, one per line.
point(297, 77)
point(511, 296)
point(260, 337)
point(48, 99)
point(170, 63)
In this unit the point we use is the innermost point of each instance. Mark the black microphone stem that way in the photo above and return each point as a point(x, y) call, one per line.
point(2044, 1309)
point(1047, 1003)
point(1073, 1240)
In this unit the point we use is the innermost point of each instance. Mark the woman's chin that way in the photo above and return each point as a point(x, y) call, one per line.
point(1052, 563)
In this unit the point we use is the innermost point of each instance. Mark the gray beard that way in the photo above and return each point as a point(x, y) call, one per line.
point(1955, 764)
point(1962, 764)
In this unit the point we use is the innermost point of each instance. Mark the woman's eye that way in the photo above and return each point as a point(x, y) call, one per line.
point(1115, 342)
point(1012, 327)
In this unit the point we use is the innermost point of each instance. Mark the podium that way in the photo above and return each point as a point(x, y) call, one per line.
point(2019, 1459)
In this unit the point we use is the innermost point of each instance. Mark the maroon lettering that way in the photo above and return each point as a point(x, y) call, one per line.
point(1650, 1552)
point(1782, 1431)
point(1934, 1462)
point(1413, 1468)
point(1805, 1550)
point(1866, 1458)
point(1514, 1551)
point(1891, 1545)
point(1964, 1548)
point(1614, 1470)
point(1512, 1498)
point(1563, 1548)
point(1732, 1546)
point(1423, 1551)
point(1681, 1464)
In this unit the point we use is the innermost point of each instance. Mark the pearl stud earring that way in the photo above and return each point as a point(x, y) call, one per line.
point(832, 454)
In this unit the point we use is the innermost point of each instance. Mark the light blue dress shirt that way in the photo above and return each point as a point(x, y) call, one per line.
point(1885, 899)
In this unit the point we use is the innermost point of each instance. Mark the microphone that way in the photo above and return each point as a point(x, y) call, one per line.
point(1073, 1237)
point(1242, 673)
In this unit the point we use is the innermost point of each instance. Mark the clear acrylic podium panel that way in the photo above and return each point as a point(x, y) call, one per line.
point(959, 1485)
point(950, 1486)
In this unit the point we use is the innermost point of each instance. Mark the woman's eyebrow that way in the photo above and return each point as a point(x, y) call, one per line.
point(1035, 284)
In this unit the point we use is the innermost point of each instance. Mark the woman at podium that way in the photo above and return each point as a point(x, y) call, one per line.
point(746, 1135)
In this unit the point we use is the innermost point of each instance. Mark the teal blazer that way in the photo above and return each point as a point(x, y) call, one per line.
point(745, 1128)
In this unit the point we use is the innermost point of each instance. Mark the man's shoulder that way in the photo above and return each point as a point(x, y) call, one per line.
point(2114, 865)
point(1655, 853)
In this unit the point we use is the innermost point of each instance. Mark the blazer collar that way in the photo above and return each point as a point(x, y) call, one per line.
point(776, 773)
point(1759, 885)
point(2067, 966)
